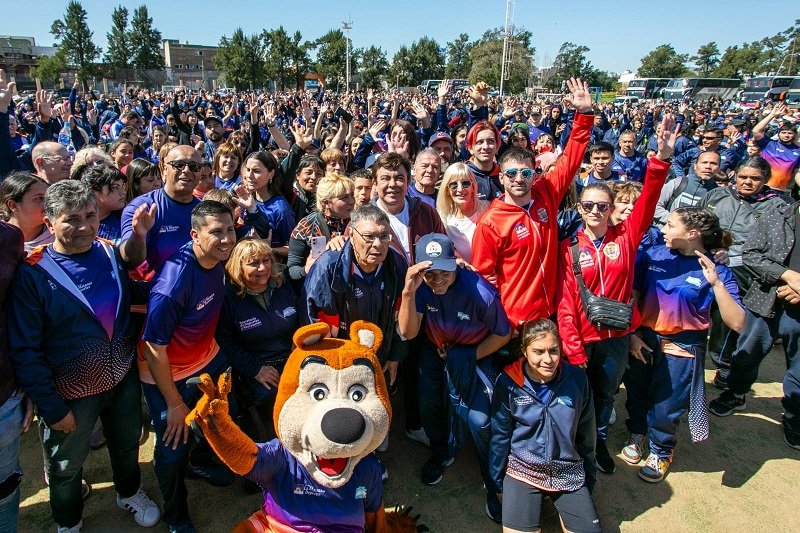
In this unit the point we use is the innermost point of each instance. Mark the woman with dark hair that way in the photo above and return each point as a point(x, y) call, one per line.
point(108, 185)
point(604, 256)
point(737, 207)
point(309, 171)
point(257, 322)
point(677, 282)
point(143, 177)
point(22, 205)
point(121, 151)
point(260, 190)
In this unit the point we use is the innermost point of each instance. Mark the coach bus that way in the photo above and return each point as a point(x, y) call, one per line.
point(701, 88)
point(646, 88)
point(766, 88)
point(793, 94)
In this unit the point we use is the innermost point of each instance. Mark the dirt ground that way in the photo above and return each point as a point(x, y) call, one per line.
point(744, 478)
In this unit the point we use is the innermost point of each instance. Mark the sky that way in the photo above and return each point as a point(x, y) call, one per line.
point(618, 33)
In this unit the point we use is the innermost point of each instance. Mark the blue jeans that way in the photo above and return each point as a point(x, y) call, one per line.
point(756, 341)
point(170, 464)
point(607, 361)
point(121, 413)
point(11, 413)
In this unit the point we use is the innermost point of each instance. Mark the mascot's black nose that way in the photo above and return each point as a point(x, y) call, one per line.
point(343, 425)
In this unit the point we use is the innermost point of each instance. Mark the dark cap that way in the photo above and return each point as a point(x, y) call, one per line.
point(213, 118)
point(439, 136)
point(737, 122)
point(438, 249)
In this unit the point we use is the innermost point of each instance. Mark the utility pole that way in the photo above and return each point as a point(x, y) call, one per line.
point(506, 65)
point(347, 26)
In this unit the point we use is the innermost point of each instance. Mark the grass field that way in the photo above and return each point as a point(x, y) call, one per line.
point(743, 479)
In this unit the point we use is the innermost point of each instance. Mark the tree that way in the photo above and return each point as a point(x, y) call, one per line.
point(331, 56)
point(145, 41)
point(242, 60)
point(458, 57)
point(426, 60)
point(603, 79)
point(76, 40)
point(287, 58)
point(791, 65)
point(49, 69)
point(400, 69)
point(118, 54)
point(486, 57)
point(373, 67)
point(707, 59)
point(663, 62)
point(570, 62)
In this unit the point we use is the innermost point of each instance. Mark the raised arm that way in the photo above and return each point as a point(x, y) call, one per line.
point(777, 111)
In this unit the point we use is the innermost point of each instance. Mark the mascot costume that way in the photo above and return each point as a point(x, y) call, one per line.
point(331, 412)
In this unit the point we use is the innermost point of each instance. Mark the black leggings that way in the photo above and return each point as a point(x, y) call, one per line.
point(522, 507)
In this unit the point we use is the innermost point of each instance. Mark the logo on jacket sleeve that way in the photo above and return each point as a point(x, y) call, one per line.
point(521, 231)
point(542, 212)
point(361, 493)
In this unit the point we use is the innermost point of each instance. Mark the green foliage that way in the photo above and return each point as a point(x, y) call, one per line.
point(76, 40)
point(145, 41)
point(570, 62)
point(118, 54)
point(287, 59)
point(399, 70)
point(50, 69)
point(663, 62)
point(424, 59)
point(707, 59)
point(373, 67)
point(486, 58)
point(242, 60)
point(331, 61)
point(459, 62)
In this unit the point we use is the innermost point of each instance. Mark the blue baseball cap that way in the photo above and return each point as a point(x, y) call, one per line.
point(436, 248)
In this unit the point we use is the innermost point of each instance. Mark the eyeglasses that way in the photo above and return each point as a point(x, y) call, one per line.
point(453, 185)
point(710, 137)
point(526, 173)
point(57, 158)
point(589, 206)
point(180, 164)
point(369, 239)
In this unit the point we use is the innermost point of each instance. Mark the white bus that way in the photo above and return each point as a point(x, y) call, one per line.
point(766, 88)
point(701, 88)
point(646, 88)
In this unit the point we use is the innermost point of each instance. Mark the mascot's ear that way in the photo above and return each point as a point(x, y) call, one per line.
point(311, 334)
point(366, 334)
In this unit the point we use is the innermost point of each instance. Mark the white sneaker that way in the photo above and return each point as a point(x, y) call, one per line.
point(145, 511)
point(73, 529)
point(418, 435)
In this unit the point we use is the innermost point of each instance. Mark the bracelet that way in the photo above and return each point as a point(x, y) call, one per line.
point(172, 408)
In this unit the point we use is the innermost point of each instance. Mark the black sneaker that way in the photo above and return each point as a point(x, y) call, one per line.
point(602, 459)
point(213, 473)
point(494, 509)
point(791, 432)
point(727, 403)
point(720, 381)
point(433, 470)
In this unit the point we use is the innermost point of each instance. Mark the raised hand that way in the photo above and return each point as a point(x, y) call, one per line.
point(414, 276)
point(579, 96)
point(778, 110)
point(144, 218)
point(444, 88)
point(709, 268)
point(666, 139)
point(270, 116)
point(303, 136)
point(7, 90)
point(43, 104)
point(377, 127)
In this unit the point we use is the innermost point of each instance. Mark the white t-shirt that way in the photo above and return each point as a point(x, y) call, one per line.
point(44, 238)
point(460, 230)
point(400, 227)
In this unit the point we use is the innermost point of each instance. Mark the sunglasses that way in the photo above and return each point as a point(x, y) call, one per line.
point(453, 185)
point(710, 137)
point(589, 206)
point(526, 173)
point(180, 164)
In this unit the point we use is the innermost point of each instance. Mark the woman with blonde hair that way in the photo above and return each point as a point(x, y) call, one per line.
point(226, 166)
point(316, 232)
point(258, 319)
point(459, 207)
point(85, 157)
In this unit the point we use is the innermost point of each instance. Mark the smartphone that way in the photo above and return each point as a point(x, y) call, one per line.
point(341, 112)
point(318, 246)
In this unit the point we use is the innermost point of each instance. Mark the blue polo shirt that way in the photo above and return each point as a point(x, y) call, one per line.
point(630, 168)
point(280, 217)
point(170, 231)
point(468, 312)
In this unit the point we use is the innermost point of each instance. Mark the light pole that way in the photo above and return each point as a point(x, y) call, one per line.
point(504, 71)
point(347, 26)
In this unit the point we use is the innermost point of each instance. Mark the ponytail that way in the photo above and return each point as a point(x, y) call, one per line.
point(707, 224)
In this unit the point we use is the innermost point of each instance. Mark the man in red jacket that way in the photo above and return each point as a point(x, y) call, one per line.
point(516, 240)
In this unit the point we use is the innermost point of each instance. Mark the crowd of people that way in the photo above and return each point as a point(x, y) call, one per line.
point(524, 258)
